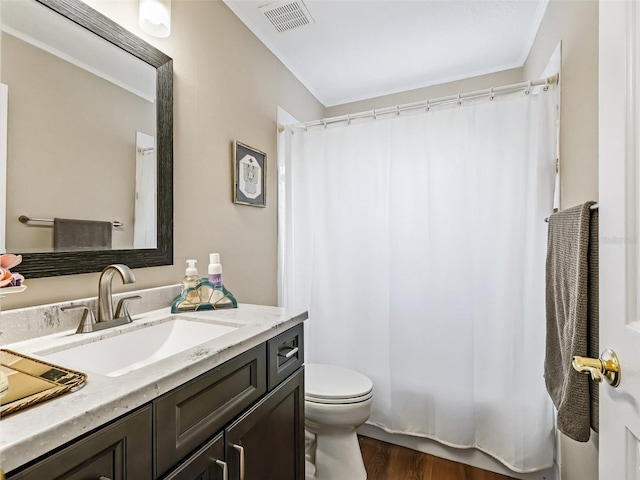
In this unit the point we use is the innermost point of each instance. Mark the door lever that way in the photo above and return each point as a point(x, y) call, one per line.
point(606, 367)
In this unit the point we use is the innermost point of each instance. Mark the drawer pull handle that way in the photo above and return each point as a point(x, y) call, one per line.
point(104, 478)
point(289, 354)
point(241, 452)
point(225, 470)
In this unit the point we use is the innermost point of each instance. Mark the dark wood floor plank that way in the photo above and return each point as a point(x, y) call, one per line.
point(405, 464)
point(376, 458)
point(385, 461)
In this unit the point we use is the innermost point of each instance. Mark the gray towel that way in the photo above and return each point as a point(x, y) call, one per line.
point(568, 306)
point(69, 234)
point(593, 314)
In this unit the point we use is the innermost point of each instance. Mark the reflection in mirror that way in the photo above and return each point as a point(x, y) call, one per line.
point(89, 143)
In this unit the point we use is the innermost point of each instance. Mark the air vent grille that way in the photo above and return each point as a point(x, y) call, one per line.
point(287, 15)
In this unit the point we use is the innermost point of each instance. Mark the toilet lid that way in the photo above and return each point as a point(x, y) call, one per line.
point(331, 384)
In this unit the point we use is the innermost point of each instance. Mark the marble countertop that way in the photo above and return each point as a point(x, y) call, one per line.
point(30, 433)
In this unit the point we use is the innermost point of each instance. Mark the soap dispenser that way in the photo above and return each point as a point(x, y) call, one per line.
point(191, 278)
point(215, 269)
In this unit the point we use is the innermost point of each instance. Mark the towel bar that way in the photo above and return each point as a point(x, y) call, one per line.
point(595, 206)
point(25, 219)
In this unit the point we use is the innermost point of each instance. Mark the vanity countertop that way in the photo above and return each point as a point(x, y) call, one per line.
point(30, 433)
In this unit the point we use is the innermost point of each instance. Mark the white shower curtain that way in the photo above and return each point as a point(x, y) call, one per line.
point(417, 243)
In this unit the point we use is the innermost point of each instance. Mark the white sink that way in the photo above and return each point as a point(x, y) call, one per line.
point(134, 349)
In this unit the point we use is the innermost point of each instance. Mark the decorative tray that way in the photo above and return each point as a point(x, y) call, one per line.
point(204, 296)
point(33, 381)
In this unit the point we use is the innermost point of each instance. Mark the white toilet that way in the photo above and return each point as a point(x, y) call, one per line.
point(337, 401)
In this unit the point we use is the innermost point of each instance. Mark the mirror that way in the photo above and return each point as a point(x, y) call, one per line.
point(69, 165)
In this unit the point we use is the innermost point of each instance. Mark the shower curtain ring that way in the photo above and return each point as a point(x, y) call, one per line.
point(375, 116)
point(428, 105)
point(491, 95)
point(546, 84)
point(459, 100)
point(324, 121)
point(348, 120)
point(397, 110)
point(528, 89)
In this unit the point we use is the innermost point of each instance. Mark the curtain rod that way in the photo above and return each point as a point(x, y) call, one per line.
point(427, 104)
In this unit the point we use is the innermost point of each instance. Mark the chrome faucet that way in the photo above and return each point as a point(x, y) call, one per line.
point(106, 317)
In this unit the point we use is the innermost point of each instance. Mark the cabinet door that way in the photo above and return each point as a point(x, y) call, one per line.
point(267, 442)
point(206, 464)
point(119, 451)
point(190, 415)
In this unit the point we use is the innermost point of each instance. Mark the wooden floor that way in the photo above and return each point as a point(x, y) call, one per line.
point(385, 461)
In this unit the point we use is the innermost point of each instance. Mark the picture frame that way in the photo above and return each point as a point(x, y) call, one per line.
point(249, 175)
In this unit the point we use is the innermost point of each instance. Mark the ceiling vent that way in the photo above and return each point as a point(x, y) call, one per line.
point(287, 14)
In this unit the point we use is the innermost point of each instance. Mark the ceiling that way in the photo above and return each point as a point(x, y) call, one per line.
point(357, 49)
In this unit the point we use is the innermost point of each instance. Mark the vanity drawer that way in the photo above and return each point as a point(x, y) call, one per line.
point(286, 354)
point(189, 415)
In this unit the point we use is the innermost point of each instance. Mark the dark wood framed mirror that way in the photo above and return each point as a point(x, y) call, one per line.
point(54, 263)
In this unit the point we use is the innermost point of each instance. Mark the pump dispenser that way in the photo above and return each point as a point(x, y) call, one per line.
point(190, 279)
point(215, 269)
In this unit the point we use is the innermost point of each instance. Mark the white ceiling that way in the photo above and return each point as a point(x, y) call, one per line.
point(358, 49)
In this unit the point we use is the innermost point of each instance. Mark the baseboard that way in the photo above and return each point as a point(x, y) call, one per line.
point(468, 456)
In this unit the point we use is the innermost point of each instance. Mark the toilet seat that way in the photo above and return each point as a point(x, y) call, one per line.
point(329, 384)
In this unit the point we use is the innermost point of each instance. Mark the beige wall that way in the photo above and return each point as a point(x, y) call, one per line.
point(575, 23)
point(227, 86)
point(442, 90)
point(69, 146)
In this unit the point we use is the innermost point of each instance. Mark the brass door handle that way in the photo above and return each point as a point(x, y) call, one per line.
point(606, 367)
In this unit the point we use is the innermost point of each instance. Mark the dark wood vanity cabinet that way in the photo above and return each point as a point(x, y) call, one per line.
point(244, 415)
point(119, 451)
point(206, 464)
point(268, 440)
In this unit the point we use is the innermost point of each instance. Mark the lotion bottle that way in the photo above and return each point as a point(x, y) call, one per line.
point(190, 279)
point(215, 269)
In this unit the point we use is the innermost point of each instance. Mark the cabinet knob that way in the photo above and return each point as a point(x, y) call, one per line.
point(241, 452)
point(225, 470)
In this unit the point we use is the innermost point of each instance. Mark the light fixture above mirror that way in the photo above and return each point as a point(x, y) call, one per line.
point(154, 17)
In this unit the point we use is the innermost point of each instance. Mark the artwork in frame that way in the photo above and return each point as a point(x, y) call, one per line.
point(249, 175)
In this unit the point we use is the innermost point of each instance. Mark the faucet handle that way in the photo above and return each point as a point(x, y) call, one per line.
point(121, 309)
point(88, 319)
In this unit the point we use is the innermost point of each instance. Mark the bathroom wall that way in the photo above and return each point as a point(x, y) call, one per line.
point(227, 86)
point(576, 25)
point(481, 82)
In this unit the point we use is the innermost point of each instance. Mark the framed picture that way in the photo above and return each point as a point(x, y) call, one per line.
point(249, 175)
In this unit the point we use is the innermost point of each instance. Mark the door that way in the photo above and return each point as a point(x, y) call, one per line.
point(619, 165)
point(145, 206)
point(267, 442)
